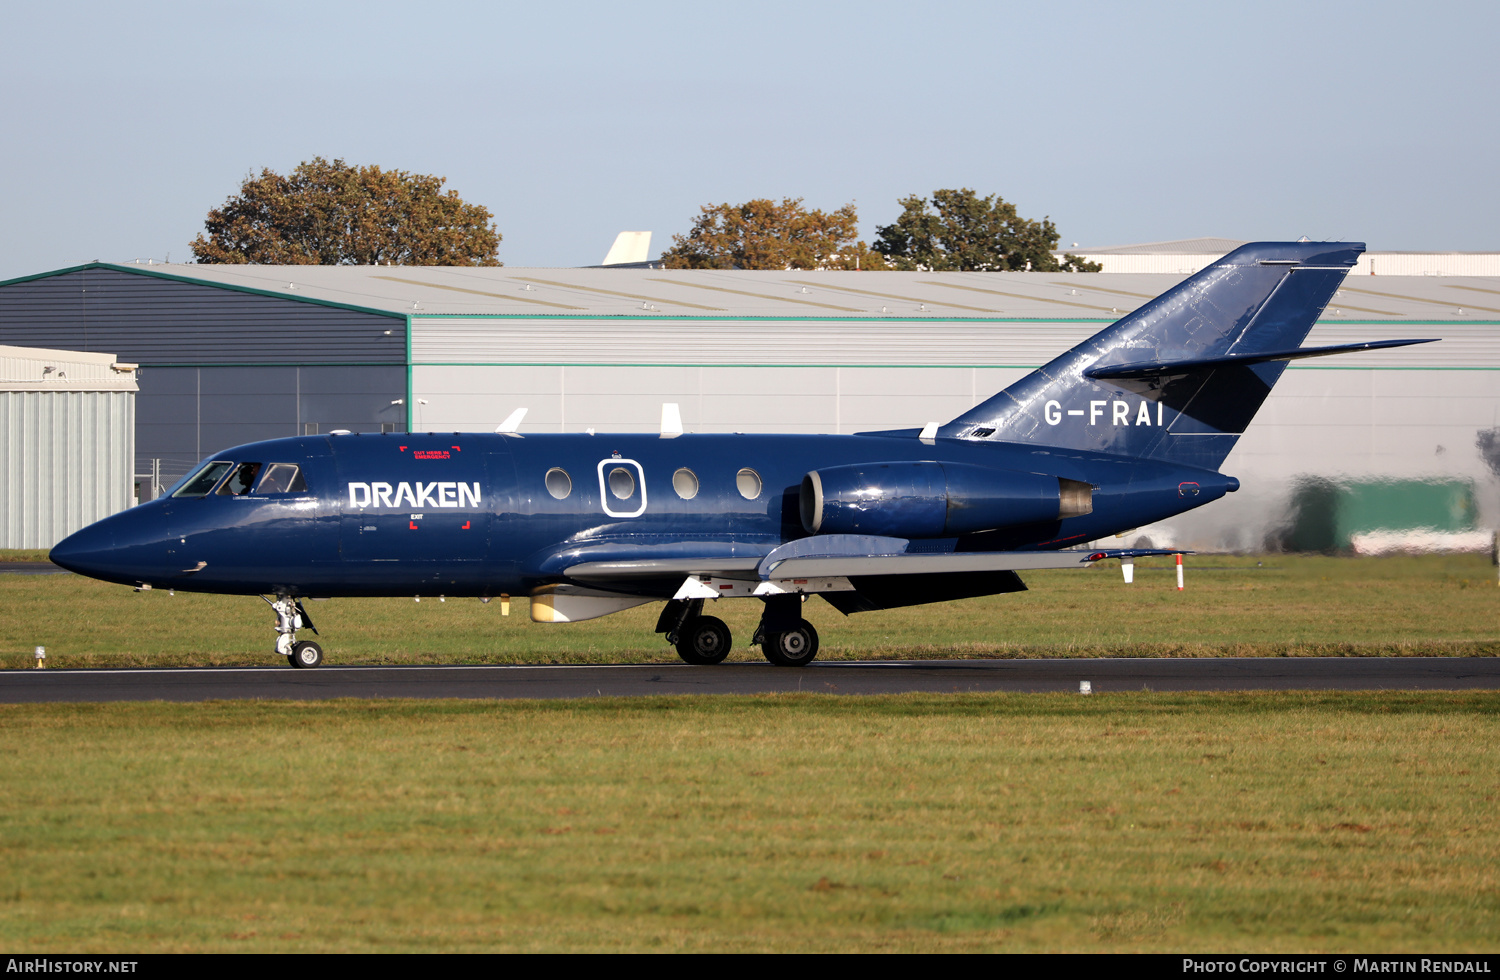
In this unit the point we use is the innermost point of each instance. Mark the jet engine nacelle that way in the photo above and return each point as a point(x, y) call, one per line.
point(934, 500)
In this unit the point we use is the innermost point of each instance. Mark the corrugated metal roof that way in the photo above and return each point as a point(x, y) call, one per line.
point(39, 369)
point(653, 293)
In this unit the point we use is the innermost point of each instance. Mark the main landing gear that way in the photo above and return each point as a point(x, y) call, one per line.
point(290, 617)
point(785, 638)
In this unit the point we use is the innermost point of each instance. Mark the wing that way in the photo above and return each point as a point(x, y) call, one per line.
point(832, 563)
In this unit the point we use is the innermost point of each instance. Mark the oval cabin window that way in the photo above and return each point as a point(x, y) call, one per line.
point(621, 483)
point(685, 482)
point(748, 482)
point(559, 484)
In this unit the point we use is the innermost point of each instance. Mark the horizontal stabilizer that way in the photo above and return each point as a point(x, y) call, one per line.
point(1139, 370)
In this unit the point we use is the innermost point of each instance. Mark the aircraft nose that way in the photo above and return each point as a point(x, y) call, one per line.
point(127, 547)
point(85, 551)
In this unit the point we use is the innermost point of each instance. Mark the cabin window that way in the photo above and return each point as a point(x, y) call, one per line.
point(559, 484)
point(621, 483)
point(748, 482)
point(240, 481)
point(200, 483)
point(685, 482)
point(282, 478)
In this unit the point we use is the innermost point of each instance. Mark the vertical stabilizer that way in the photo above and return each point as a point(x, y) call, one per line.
point(629, 247)
point(1178, 379)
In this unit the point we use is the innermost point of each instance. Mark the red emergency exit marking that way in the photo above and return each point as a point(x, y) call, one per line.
point(413, 525)
point(466, 525)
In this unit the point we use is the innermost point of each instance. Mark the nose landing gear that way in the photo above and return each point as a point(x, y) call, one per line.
point(290, 617)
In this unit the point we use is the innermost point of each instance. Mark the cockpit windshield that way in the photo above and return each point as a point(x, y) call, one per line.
point(282, 478)
point(240, 481)
point(201, 482)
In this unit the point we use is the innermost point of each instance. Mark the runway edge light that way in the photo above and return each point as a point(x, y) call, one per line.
point(41, 657)
point(1085, 687)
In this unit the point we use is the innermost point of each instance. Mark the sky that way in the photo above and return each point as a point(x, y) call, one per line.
point(124, 124)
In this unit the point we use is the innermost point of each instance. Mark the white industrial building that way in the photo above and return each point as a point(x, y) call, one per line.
point(1189, 255)
point(67, 442)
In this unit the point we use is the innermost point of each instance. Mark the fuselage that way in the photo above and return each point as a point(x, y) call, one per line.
point(486, 514)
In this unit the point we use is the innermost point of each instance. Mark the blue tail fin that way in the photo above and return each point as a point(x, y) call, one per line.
point(1181, 377)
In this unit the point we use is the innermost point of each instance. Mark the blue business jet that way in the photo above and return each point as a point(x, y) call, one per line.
point(1125, 429)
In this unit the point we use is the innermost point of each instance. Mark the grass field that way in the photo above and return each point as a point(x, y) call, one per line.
point(1296, 821)
point(1363, 822)
point(1278, 605)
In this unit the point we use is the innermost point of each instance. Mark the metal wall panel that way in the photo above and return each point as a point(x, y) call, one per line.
point(1333, 420)
point(712, 399)
point(688, 340)
point(1427, 264)
point(154, 321)
point(880, 343)
point(186, 413)
point(66, 462)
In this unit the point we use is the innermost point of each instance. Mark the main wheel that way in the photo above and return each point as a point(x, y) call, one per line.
point(306, 654)
point(704, 640)
point(794, 648)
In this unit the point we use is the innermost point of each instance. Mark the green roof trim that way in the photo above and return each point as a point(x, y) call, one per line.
point(649, 364)
point(276, 364)
point(876, 367)
point(877, 317)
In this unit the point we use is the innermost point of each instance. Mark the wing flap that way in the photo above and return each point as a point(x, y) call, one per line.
point(938, 564)
point(715, 567)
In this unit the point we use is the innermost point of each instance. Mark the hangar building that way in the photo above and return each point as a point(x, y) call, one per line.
point(230, 354)
point(67, 438)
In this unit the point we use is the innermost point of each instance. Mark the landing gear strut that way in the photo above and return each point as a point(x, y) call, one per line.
point(785, 638)
point(699, 639)
point(290, 617)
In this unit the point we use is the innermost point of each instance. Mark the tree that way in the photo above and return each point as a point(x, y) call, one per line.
point(333, 214)
point(762, 234)
point(965, 232)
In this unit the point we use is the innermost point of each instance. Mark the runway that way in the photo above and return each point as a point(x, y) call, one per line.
point(834, 677)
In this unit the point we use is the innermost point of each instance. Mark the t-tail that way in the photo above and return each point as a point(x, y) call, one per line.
point(1180, 378)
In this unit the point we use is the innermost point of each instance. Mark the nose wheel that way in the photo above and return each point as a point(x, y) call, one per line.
point(306, 654)
point(291, 617)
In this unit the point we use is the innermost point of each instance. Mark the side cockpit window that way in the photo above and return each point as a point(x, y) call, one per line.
point(240, 481)
point(282, 478)
point(201, 482)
